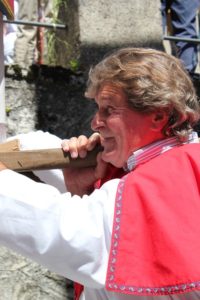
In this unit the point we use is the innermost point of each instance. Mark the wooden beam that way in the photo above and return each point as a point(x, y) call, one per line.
point(44, 159)
point(13, 145)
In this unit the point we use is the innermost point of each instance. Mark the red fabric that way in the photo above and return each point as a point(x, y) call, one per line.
point(112, 173)
point(158, 217)
point(78, 288)
point(7, 8)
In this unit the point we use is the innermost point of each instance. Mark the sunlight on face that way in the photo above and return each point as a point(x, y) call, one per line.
point(122, 129)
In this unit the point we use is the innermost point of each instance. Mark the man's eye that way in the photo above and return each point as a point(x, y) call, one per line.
point(107, 111)
point(110, 110)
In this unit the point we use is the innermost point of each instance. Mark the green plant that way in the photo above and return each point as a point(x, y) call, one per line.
point(74, 64)
point(51, 35)
point(8, 110)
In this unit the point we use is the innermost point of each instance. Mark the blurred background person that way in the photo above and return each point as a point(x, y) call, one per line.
point(10, 35)
point(179, 17)
point(26, 45)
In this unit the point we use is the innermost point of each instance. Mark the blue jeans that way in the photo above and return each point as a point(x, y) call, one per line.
point(183, 20)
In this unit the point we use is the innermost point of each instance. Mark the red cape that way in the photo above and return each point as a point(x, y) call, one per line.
point(155, 247)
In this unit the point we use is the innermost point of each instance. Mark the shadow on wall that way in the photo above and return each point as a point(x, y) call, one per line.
point(54, 98)
point(92, 54)
point(62, 108)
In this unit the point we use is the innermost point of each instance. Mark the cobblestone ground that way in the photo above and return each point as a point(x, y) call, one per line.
point(21, 279)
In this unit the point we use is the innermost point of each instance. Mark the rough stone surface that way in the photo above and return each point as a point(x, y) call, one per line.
point(119, 22)
point(61, 106)
point(22, 279)
point(52, 99)
point(95, 27)
point(21, 107)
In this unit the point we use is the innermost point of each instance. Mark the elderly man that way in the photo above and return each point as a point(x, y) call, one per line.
point(128, 228)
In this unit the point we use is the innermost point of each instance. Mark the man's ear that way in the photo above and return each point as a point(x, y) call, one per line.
point(159, 120)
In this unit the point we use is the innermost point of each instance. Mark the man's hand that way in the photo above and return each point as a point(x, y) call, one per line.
point(81, 181)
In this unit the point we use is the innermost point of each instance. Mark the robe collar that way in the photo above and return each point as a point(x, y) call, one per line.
point(148, 152)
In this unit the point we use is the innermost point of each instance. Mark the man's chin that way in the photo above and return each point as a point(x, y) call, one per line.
point(111, 157)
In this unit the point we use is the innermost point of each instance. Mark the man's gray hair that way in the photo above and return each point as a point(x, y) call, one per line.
point(153, 81)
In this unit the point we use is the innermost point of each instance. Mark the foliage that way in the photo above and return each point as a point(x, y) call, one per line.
point(74, 65)
point(51, 35)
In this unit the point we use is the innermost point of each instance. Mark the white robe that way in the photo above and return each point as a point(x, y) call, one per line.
point(68, 235)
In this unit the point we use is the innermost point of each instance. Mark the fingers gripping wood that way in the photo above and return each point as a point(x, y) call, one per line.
point(43, 159)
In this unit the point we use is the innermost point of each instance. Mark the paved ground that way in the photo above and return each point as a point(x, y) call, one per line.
point(21, 279)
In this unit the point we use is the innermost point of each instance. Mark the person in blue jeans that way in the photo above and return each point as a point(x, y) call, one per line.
point(183, 21)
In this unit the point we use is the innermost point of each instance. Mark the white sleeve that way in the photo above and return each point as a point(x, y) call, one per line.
point(43, 140)
point(68, 235)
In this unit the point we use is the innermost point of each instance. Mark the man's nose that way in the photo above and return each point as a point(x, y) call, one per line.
point(97, 122)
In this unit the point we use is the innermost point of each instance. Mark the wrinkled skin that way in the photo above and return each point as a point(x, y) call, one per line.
point(119, 129)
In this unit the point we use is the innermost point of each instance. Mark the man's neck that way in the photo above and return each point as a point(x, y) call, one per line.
point(156, 148)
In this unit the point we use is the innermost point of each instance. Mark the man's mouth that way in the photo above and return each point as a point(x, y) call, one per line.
point(108, 143)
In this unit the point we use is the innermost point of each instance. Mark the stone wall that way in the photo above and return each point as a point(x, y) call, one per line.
point(22, 279)
point(52, 99)
point(95, 27)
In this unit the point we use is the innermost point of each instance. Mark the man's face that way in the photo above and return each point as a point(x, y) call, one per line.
point(121, 129)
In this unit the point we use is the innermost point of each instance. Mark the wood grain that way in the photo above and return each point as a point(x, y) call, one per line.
point(13, 145)
point(44, 159)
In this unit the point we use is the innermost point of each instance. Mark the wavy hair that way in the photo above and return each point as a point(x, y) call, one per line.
point(153, 81)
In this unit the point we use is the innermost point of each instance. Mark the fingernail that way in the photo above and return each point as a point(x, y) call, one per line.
point(74, 154)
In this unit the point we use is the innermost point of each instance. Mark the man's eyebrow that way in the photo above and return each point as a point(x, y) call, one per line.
point(106, 97)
